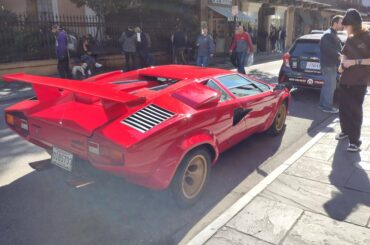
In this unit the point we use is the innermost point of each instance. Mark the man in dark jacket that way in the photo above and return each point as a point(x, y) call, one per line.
point(330, 56)
point(61, 50)
point(179, 42)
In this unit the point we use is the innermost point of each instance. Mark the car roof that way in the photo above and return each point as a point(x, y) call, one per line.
point(317, 37)
point(180, 72)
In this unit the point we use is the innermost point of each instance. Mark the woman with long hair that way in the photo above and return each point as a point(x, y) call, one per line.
point(355, 69)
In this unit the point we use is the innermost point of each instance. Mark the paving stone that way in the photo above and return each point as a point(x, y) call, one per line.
point(266, 219)
point(321, 151)
point(231, 236)
point(337, 202)
point(322, 171)
point(317, 229)
point(359, 181)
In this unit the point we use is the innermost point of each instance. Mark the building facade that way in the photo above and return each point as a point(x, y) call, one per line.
point(297, 17)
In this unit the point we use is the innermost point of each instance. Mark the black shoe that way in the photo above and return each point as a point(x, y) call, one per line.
point(341, 136)
point(353, 148)
point(331, 110)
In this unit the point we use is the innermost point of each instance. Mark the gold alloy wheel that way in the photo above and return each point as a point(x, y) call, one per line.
point(280, 117)
point(194, 176)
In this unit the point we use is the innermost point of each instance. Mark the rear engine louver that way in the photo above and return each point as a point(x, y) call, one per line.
point(147, 118)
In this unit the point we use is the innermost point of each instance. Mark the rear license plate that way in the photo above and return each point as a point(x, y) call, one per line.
point(313, 65)
point(62, 158)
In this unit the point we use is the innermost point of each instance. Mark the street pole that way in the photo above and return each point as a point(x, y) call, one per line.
point(234, 4)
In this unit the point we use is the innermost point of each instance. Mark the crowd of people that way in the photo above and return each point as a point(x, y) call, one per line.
point(136, 49)
point(277, 39)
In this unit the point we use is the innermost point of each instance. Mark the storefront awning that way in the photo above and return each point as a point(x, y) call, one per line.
point(226, 11)
point(306, 17)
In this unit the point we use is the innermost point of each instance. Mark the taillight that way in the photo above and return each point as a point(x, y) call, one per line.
point(108, 153)
point(18, 122)
point(286, 59)
point(9, 119)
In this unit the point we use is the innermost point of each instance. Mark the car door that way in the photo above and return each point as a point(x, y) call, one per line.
point(254, 104)
point(224, 123)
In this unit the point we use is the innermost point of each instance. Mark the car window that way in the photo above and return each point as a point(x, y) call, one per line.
point(224, 96)
point(303, 48)
point(241, 86)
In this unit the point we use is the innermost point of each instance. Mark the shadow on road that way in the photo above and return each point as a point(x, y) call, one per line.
point(40, 208)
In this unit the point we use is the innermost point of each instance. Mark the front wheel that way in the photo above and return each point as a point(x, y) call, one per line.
point(191, 177)
point(279, 121)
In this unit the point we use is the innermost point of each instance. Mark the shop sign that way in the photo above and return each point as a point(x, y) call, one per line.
point(234, 10)
point(221, 2)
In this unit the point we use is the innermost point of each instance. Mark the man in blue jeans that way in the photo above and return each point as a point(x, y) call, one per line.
point(243, 46)
point(206, 48)
point(330, 51)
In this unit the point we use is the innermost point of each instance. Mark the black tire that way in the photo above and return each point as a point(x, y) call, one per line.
point(184, 193)
point(278, 124)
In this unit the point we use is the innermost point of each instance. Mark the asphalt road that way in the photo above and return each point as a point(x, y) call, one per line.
point(39, 207)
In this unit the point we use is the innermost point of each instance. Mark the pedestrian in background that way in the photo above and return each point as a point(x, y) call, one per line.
point(281, 39)
point(61, 50)
point(206, 48)
point(128, 41)
point(330, 56)
point(243, 46)
point(150, 58)
point(179, 43)
point(142, 47)
point(355, 68)
point(273, 38)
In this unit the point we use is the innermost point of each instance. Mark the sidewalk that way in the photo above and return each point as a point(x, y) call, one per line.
point(321, 195)
point(11, 91)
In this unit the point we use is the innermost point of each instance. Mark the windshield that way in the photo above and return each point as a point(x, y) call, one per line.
point(241, 86)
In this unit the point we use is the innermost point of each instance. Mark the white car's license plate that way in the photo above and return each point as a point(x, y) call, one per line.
point(62, 158)
point(313, 65)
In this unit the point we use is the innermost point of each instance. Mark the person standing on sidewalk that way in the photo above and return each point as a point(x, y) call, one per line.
point(128, 40)
point(61, 50)
point(243, 46)
point(206, 48)
point(179, 42)
point(281, 39)
point(355, 69)
point(330, 53)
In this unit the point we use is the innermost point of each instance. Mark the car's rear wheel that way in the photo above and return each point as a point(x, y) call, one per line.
point(191, 177)
point(279, 121)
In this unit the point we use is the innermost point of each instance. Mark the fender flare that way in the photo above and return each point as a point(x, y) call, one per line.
point(285, 97)
point(186, 144)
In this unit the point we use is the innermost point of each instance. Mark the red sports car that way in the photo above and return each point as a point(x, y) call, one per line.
point(157, 127)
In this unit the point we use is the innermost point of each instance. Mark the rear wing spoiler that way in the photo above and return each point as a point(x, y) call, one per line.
point(48, 88)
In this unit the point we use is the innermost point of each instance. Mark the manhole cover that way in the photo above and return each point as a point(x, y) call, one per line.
point(363, 165)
